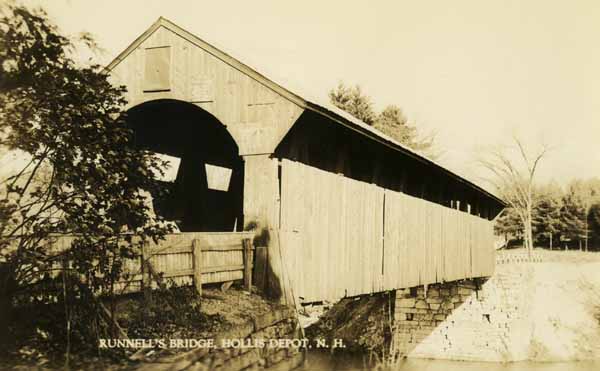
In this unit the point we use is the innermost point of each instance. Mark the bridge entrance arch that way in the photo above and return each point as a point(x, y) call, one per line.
point(206, 177)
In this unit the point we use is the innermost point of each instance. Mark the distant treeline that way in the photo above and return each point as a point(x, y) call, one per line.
point(562, 216)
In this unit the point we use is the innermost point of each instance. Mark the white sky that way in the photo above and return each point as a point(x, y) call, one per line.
point(474, 71)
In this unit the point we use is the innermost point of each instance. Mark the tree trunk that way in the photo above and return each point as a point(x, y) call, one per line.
point(550, 241)
point(530, 240)
point(7, 289)
point(529, 221)
point(529, 236)
point(65, 270)
point(5, 315)
point(586, 234)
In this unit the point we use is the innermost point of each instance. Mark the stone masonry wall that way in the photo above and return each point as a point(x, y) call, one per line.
point(474, 320)
point(237, 349)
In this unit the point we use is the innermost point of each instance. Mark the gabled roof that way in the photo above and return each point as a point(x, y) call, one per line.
point(300, 96)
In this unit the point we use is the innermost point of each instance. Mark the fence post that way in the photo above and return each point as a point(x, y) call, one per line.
point(247, 243)
point(146, 279)
point(146, 283)
point(142, 269)
point(197, 252)
point(260, 268)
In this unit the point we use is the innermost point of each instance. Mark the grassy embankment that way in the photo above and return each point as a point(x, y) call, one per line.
point(565, 306)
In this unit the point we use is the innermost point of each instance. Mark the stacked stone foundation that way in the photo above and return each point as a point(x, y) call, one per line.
point(475, 319)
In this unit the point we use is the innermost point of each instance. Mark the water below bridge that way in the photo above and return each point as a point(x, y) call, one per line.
point(317, 361)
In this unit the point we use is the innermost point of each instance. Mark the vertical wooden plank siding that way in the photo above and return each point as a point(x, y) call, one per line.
point(341, 239)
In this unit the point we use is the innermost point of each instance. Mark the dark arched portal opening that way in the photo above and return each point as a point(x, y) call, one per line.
point(207, 191)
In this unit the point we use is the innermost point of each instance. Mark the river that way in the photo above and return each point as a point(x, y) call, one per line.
point(317, 361)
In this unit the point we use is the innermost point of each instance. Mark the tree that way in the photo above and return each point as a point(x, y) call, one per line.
point(594, 224)
point(353, 101)
point(588, 192)
point(391, 121)
point(509, 225)
point(82, 175)
point(513, 172)
point(547, 214)
point(574, 215)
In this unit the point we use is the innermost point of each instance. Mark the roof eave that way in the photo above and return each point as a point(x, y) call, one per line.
point(349, 124)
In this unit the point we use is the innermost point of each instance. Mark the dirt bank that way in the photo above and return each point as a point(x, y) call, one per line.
point(362, 323)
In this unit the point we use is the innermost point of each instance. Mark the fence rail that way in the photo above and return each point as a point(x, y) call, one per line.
point(512, 257)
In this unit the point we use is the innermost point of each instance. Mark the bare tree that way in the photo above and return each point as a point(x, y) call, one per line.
point(513, 171)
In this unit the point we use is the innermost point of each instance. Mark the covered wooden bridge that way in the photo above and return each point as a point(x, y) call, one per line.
point(343, 209)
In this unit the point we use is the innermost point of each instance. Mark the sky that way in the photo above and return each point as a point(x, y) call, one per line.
point(475, 72)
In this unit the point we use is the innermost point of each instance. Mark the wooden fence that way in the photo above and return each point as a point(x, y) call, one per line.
point(341, 237)
point(189, 258)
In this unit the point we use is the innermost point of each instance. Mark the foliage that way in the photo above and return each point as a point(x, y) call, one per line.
point(38, 327)
point(391, 121)
point(547, 214)
point(508, 224)
point(589, 192)
point(573, 216)
point(565, 214)
point(82, 174)
point(172, 312)
point(594, 224)
point(353, 101)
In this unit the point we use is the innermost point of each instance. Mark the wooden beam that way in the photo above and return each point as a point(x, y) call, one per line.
point(197, 251)
point(226, 285)
point(261, 190)
point(477, 206)
point(376, 168)
point(247, 264)
point(188, 249)
point(403, 180)
point(341, 161)
point(179, 273)
point(223, 268)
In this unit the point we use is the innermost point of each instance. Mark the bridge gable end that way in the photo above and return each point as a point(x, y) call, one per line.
point(167, 62)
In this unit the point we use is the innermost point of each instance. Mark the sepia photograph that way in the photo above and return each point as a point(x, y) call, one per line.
point(195, 185)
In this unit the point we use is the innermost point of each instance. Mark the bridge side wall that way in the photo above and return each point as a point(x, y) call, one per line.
point(341, 237)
